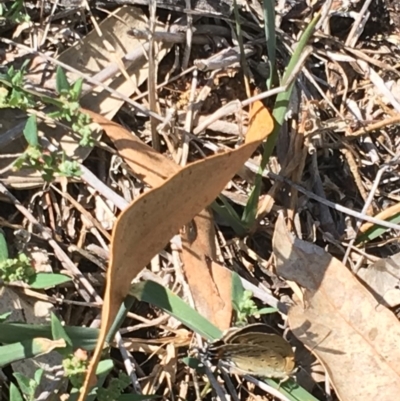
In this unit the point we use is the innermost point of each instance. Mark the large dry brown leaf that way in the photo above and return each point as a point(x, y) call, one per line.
point(355, 337)
point(198, 255)
point(150, 221)
point(212, 297)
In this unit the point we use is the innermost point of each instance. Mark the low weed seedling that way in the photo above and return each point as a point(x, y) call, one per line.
point(243, 303)
point(47, 163)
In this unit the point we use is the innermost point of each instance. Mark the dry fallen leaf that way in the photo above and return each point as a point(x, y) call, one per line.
point(355, 337)
point(209, 282)
point(145, 227)
point(383, 278)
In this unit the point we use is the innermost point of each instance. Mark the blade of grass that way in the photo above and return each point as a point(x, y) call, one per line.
point(282, 100)
point(279, 112)
point(27, 349)
point(3, 247)
point(43, 281)
point(376, 231)
point(157, 295)
point(81, 337)
point(270, 35)
point(243, 61)
point(228, 213)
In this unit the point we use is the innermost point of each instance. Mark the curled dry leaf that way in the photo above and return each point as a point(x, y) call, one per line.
point(150, 221)
point(356, 338)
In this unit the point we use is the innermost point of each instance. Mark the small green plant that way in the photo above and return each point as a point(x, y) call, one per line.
point(12, 93)
point(17, 269)
point(48, 164)
point(15, 13)
point(114, 389)
point(69, 108)
point(243, 303)
point(75, 369)
point(21, 269)
point(28, 386)
point(74, 364)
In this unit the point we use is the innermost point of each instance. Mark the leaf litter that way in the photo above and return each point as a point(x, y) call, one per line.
point(338, 141)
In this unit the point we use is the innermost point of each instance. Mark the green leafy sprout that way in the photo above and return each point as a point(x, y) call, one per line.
point(17, 269)
point(49, 164)
point(14, 94)
point(243, 304)
point(27, 386)
point(14, 13)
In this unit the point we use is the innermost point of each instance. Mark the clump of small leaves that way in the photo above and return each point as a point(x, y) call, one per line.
point(114, 389)
point(49, 164)
point(15, 13)
point(27, 385)
point(69, 107)
point(75, 369)
point(12, 92)
point(243, 303)
point(17, 269)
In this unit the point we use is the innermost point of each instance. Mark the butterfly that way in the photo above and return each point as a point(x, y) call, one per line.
point(254, 350)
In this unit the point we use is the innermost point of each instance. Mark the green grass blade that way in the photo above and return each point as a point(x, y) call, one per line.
point(123, 310)
point(15, 394)
point(228, 213)
point(237, 292)
point(81, 337)
point(27, 349)
point(42, 281)
point(376, 231)
point(243, 61)
point(270, 35)
point(291, 390)
point(250, 210)
point(282, 100)
point(157, 295)
point(3, 247)
point(279, 112)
